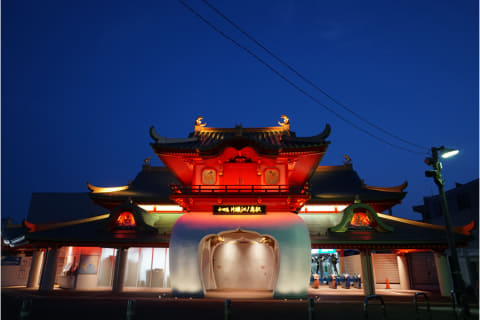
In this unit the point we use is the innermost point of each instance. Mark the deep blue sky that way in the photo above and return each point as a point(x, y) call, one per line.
point(82, 82)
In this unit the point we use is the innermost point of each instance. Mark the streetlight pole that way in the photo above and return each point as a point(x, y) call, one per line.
point(458, 284)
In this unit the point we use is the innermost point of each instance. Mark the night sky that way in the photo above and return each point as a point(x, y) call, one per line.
point(83, 81)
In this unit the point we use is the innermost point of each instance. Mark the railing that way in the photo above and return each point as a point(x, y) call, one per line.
point(417, 315)
point(232, 189)
point(375, 297)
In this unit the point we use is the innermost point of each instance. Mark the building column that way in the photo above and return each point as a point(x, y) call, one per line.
point(119, 271)
point(35, 269)
point(464, 267)
point(367, 272)
point(443, 274)
point(403, 272)
point(49, 270)
point(342, 261)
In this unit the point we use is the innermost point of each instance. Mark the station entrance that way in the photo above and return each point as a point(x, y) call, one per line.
point(239, 260)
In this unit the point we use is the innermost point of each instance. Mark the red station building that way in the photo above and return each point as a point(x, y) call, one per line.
point(234, 209)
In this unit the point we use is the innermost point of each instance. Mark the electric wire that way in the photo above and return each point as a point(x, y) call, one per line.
point(295, 86)
point(289, 67)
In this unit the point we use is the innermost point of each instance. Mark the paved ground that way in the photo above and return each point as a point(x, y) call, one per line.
point(329, 304)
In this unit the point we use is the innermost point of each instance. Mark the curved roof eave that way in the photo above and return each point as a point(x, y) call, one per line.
point(362, 196)
point(319, 138)
point(397, 189)
point(95, 189)
point(165, 140)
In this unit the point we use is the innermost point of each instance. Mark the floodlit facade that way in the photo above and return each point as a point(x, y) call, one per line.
point(232, 209)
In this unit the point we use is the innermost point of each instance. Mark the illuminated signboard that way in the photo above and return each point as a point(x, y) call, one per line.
point(239, 209)
point(323, 251)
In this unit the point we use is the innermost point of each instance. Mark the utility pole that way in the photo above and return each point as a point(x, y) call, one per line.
point(459, 296)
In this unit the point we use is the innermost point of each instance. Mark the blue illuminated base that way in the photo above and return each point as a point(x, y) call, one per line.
point(180, 294)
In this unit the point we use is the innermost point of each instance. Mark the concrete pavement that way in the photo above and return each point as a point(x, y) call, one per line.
point(329, 304)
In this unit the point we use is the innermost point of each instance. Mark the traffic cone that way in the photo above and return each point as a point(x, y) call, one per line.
point(387, 284)
point(316, 281)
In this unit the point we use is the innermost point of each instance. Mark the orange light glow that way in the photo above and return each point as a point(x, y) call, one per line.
point(322, 208)
point(125, 219)
point(96, 189)
point(207, 219)
point(406, 251)
point(360, 219)
point(160, 207)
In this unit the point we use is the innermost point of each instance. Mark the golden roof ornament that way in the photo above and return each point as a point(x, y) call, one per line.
point(285, 124)
point(198, 124)
point(146, 162)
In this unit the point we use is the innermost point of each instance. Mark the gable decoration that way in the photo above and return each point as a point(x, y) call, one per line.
point(361, 215)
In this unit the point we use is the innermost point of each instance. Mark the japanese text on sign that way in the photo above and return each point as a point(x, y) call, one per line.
point(239, 209)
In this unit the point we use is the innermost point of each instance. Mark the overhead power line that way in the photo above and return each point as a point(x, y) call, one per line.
point(289, 67)
point(291, 83)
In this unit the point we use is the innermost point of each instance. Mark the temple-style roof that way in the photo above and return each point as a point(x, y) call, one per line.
point(329, 184)
point(148, 230)
point(267, 140)
point(65, 206)
point(342, 183)
point(96, 231)
point(407, 234)
point(151, 185)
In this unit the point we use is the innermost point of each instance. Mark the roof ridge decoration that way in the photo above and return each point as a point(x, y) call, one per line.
point(348, 213)
point(284, 127)
point(285, 124)
point(266, 140)
point(199, 125)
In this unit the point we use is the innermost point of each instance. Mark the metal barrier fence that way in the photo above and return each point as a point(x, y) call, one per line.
point(418, 294)
point(311, 309)
point(130, 314)
point(227, 310)
point(365, 305)
point(26, 309)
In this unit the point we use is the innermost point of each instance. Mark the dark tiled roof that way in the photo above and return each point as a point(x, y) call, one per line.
point(404, 235)
point(329, 183)
point(94, 233)
point(151, 184)
point(49, 206)
point(150, 229)
point(342, 183)
point(266, 140)
point(155, 179)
